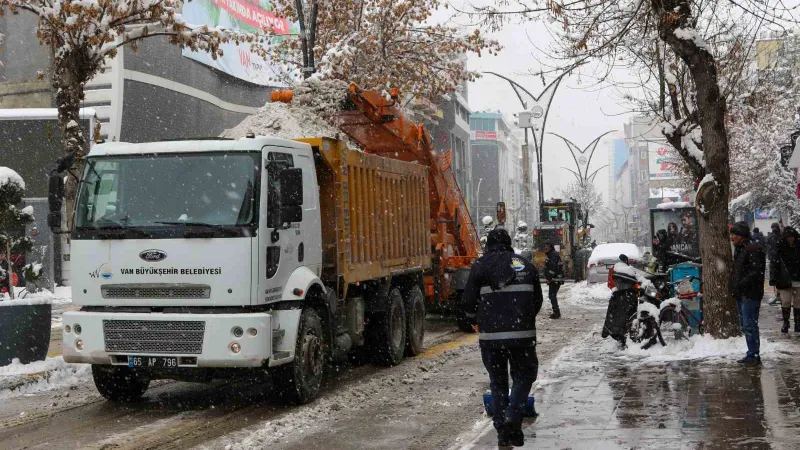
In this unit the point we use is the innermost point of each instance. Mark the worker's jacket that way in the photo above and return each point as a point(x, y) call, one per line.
point(503, 290)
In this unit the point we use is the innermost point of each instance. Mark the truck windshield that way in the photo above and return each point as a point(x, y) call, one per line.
point(169, 190)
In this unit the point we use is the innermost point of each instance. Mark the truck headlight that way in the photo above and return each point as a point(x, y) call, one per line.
point(79, 344)
point(235, 347)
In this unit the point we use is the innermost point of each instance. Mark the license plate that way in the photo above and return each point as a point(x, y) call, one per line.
point(152, 361)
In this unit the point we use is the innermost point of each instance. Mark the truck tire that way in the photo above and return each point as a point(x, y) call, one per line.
point(119, 384)
point(298, 382)
point(415, 322)
point(387, 332)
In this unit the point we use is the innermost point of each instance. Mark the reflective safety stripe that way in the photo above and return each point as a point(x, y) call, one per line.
point(509, 288)
point(508, 335)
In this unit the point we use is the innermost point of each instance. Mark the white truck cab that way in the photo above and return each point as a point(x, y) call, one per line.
point(198, 259)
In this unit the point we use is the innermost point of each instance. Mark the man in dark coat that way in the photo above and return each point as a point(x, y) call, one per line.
point(758, 237)
point(504, 291)
point(747, 285)
point(772, 241)
point(554, 274)
point(787, 279)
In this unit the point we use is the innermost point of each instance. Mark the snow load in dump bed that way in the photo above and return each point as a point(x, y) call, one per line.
point(612, 251)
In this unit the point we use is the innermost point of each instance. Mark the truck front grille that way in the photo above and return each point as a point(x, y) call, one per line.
point(154, 336)
point(181, 291)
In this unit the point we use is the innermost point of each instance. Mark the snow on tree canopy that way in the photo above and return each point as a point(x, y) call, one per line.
point(7, 175)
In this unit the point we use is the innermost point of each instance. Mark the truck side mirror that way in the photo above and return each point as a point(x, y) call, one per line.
point(55, 196)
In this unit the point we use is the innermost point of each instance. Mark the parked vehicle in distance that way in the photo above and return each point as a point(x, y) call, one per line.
point(604, 256)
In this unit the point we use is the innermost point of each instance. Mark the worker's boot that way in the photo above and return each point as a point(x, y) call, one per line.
point(786, 312)
point(797, 320)
point(556, 312)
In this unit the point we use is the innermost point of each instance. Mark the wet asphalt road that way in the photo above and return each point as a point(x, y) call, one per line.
point(172, 414)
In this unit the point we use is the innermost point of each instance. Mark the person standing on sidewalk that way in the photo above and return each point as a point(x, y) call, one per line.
point(747, 285)
point(554, 274)
point(773, 239)
point(788, 277)
point(503, 289)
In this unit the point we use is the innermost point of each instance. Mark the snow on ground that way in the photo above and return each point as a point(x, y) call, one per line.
point(50, 374)
point(336, 405)
point(705, 348)
point(61, 296)
point(591, 295)
point(593, 353)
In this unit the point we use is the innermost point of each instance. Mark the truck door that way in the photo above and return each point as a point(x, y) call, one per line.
point(282, 247)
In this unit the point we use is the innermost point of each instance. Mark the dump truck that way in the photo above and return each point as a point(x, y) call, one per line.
point(205, 259)
point(378, 125)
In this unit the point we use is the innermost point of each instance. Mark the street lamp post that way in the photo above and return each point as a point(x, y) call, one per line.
point(478, 200)
point(536, 119)
point(626, 210)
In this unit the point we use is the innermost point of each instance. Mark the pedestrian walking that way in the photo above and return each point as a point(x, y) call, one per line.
point(788, 278)
point(772, 241)
point(747, 284)
point(503, 290)
point(554, 275)
point(758, 237)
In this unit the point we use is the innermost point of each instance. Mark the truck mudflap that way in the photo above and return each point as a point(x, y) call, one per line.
point(187, 340)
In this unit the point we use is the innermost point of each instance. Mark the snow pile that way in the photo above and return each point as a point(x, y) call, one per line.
point(61, 296)
point(704, 347)
point(8, 176)
point(19, 379)
point(314, 101)
point(612, 251)
point(593, 295)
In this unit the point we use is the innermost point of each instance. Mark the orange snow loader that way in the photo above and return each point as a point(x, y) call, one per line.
point(377, 124)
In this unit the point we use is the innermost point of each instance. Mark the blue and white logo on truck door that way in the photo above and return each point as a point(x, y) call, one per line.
point(105, 271)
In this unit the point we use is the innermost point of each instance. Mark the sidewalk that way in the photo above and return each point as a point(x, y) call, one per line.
point(595, 396)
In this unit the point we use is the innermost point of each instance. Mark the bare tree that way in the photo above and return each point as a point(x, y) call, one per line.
point(83, 34)
point(587, 195)
point(692, 53)
point(380, 44)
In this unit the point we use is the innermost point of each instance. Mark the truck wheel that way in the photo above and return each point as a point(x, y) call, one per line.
point(119, 384)
point(388, 332)
point(415, 322)
point(298, 382)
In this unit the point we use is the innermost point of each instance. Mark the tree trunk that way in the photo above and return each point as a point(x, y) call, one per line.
point(10, 273)
point(69, 84)
point(720, 311)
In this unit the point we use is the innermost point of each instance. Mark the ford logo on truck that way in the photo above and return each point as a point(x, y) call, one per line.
point(153, 255)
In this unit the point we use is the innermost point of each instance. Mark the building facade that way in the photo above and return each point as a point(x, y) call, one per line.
point(497, 171)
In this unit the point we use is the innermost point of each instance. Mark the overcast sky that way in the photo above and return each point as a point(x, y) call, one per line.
point(578, 112)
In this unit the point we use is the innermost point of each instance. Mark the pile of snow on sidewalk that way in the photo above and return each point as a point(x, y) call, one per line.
point(19, 379)
point(314, 102)
point(592, 295)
